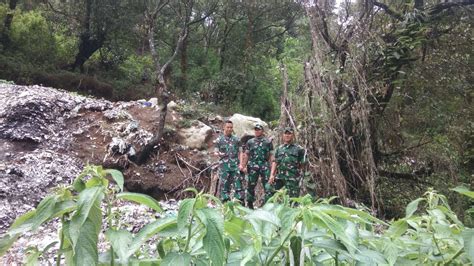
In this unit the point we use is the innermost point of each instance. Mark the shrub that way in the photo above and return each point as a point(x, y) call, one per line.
point(32, 37)
point(285, 231)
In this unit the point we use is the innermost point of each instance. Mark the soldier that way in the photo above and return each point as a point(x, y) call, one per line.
point(287, 163)
point(227, 148)
point(257, 153)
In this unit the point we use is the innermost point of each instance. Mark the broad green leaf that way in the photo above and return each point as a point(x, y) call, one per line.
point(370, 257)
point(120, 241)
point(64, 207)
point(451, 215)
point(32, 257)
point(412, 207)
point(296, 248)
point(43, 212)
point(85, 249)
point(465, 191)
point(79, 184)
point(97, 181)
point(161, 249)
point(352, 232)
point(307, 218)
point(175, 259)
point(142, 199)
point(235, 228)
point(336, 228)
point(468, 238)
point(265, 216)
point(150, 230)
point(88, 208)
point(23, 219)
point(349, 214)
point(213, 239)
point(144, 262)
point(288, 219)
point(185, 210)
point(6, 241)
point(117, 176)
point(398, 228)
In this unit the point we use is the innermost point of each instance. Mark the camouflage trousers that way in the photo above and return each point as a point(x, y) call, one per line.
point(227, 179)
point(254, 172)
point(291, 185)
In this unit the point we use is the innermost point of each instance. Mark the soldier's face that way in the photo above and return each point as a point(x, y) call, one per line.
point(287, 137)
point(258, 132)
point(228, 128)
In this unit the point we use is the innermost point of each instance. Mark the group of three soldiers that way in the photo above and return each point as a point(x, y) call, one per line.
point(278, 169)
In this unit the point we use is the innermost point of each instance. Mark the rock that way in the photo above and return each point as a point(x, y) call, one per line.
point(243, 125)
point(216, 119)
point(153, 101)
point(196, 136)
point(27, 180)
point(172, 105)
point(118, 145)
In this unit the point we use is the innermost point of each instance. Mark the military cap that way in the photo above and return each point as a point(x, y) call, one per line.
point(258, 126)
point(288, 129)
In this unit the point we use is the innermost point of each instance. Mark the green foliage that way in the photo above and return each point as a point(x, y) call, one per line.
point(136, 68)
point(31, 35)
point(296, 231)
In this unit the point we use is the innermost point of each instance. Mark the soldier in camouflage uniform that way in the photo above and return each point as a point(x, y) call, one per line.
point(227, 148)
point(288, 161)
point(256, 162)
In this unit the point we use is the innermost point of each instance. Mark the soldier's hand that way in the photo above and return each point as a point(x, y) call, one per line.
point(271, 180)
point(242, 168)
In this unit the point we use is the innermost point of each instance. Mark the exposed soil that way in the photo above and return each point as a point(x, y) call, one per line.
point(43, 131)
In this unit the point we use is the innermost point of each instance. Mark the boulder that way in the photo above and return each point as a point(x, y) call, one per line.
point(153, 101)
point(172, 105)
point(196, 136)
point(243, 125)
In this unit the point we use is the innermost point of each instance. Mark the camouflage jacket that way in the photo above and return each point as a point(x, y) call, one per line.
point(258, 150)
point(289, 157)
point(228, 148)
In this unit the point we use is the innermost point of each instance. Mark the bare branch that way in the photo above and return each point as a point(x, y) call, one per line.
point(389, 11)
point(434, 10)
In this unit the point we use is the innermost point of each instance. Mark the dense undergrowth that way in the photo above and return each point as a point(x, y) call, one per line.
point(294, 231)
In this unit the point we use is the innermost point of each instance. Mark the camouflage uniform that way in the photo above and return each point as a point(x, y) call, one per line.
point(289, 157)
point(258, 151)
point(229, 173)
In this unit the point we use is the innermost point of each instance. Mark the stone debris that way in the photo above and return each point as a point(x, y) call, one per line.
point(23, 183)
point(48, 135)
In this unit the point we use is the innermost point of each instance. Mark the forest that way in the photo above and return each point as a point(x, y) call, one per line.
point(379, 93)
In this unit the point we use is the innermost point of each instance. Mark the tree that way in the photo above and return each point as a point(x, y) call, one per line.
point(357, 64)
point(184, 12)
point(7, 22)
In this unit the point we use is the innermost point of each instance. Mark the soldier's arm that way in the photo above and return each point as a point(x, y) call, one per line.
point(271, 180)
point(243, 162)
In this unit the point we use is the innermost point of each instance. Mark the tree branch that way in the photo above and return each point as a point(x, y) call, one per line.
point(434, 10)
point(389, 11)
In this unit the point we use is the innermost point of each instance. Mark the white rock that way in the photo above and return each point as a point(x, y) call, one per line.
point(172, 105)
point(153, 101)
point(244, 125)
point(196, 136)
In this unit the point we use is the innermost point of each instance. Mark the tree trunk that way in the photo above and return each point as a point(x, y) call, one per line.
point(88, 43)
point(7, 22)
point(184, 64)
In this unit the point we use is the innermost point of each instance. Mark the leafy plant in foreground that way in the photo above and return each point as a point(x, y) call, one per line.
point(293, 231)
